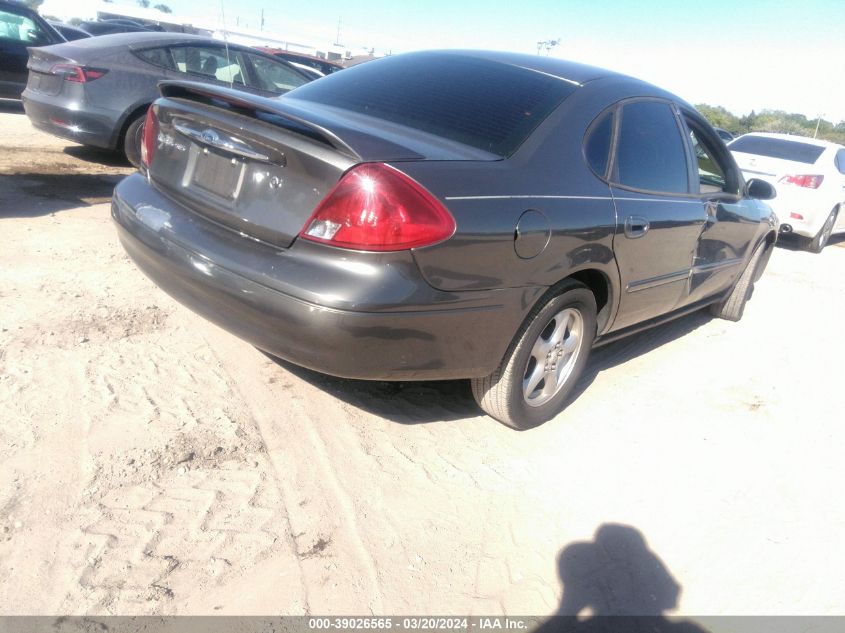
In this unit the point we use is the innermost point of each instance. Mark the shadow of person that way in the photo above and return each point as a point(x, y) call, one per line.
point(616, 583)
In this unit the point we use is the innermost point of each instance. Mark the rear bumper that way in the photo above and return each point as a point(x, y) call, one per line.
point(801, 211)
point(354, 315)
point(52, 115)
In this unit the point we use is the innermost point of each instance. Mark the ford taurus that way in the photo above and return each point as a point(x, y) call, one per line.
point(445, 215)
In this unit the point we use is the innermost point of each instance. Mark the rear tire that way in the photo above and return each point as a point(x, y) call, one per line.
point(817, 244)
point(733, 306)
point(544, 361)
point(132, 141)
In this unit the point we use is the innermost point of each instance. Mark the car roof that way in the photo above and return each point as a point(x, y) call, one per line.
point(796, 138)
point(143, 39)
point(573, 72)
point(274, 51)
point(65, 25)
point(569, 71)
point(17, 6)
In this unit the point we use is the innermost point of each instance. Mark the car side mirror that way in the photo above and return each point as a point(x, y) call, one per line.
point(759, 189)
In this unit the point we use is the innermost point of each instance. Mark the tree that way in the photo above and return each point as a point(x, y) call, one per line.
point(773, 121)
point(144, 3)
point(163, 8)
point(748, 122)
point(719, 117)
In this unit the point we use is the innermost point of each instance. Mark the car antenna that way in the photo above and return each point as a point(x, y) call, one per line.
point(226, 44)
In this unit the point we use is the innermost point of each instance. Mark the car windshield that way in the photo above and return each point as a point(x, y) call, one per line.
point(778, 148)
point(481, 103)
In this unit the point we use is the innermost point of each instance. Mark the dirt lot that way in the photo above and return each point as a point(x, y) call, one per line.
point(151, 463)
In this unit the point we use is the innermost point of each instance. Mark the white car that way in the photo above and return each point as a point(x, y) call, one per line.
point(809, 177)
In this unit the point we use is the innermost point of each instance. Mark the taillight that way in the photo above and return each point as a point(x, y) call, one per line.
point(150, 136)
point(77, 74)
point(375, 207)
point(804, 180)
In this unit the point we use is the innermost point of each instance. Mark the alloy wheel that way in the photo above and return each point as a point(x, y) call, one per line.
point(553, 357)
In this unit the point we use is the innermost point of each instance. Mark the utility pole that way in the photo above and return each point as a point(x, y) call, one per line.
point(262, 19)
point(337, 37)
point(816, 133)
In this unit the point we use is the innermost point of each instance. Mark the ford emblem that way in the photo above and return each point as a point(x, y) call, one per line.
point(210, 136)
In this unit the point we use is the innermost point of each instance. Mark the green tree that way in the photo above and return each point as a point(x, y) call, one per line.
point(719, 117)
point(144, 3)
point(777, 121)
point(163, 8)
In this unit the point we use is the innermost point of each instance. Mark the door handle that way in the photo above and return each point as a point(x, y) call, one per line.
point(636, 226)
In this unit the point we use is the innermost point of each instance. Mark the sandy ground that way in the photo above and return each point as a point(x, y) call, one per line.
point(151, 463)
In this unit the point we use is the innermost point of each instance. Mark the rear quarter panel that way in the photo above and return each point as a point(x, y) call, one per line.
point(131, 84)
point(547, 174)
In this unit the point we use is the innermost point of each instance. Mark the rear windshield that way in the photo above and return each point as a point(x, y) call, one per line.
point(777, 148)
point(484, 104)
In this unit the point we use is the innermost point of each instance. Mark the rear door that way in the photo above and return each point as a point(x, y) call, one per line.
point(659, 221)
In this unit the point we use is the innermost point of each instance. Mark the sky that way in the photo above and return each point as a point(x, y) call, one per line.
point(742, 54)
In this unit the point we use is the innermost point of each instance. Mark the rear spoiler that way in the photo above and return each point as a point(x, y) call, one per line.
point(268, 110)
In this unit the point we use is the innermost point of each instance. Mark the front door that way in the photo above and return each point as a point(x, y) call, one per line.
point(17, 31)
point(731, 222)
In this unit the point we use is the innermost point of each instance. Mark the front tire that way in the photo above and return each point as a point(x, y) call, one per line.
point(817, 244)
point(733, 306)
point(544, 361)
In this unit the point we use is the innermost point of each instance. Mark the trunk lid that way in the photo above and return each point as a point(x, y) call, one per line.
point(770, 158)
point(40, 79)
point(768, 168)
point(261, 166)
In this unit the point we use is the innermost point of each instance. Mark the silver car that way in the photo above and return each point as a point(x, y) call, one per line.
point(96, 91)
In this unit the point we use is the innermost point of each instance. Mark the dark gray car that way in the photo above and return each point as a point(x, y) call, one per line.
point(96, 91)
point(445, 215)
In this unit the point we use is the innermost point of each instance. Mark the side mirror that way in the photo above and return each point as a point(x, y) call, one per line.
point(759, 189)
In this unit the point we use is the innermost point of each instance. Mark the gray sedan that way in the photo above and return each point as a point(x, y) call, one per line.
point(96, 91)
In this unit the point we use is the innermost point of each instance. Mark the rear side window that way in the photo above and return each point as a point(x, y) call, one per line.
point(777, 148)
point(597, 147)
point(650, 154)
point(484, 104)
point(157, 57)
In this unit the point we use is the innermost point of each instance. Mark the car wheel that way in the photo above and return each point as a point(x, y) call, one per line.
point(132, 141)
point(543, 362)
point(818, 243)
point(734, 305)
